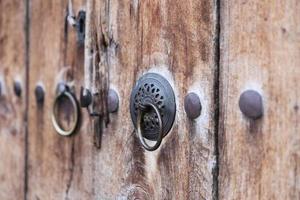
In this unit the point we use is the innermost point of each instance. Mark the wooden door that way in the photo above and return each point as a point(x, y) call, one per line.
point(13, 99)
point(150, 36)
point(215, 49)
point(136, 37)
point(58, 167)
point(260, 45)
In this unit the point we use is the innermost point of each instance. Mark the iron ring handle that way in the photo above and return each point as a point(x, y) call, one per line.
point(140, 114)
point(55, 123)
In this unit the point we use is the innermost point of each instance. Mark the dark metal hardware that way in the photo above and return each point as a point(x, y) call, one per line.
point(251, 104)
point(77, 22)
point(39, 94)
point(112, 101)
point(192, 105)
point(0, 88)
point(17, 88)
point(140, 116)
point(85, 97)
point(80, 26)
point(63, 91)
point(153, 89)
point(61, 87)
point(86, 100)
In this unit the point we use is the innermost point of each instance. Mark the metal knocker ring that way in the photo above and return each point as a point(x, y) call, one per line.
point(140, 115)
point(55, 122)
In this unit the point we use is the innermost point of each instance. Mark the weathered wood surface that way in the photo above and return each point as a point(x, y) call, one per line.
point(12, 108)
point(176, 39)
point(135, 36)
point(58, 167)
point(260, 48)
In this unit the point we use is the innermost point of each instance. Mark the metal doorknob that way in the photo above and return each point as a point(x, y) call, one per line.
point(152, 109)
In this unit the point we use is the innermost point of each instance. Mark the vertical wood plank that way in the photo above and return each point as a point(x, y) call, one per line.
point(260, 48)
point(12, 108)
point(59, 167)
point(136, 37)
point(176, 39)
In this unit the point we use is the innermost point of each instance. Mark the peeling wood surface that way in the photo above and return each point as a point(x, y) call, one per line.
point(260, 48)
point(12, 108)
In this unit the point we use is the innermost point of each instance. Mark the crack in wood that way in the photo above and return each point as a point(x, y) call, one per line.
point(71, 169)
point(97, 67)
point(27, 66)
point(217, 101)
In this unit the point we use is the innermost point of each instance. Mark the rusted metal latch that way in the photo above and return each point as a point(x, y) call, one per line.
point(77, 22)
point(95, 94)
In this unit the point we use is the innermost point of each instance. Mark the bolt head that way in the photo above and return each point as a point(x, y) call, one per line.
point(17, 88)
point(61, 87)
point(192, 105)
point(113, 101)
point(85, 97)
point(39, 94)
point(251, 104)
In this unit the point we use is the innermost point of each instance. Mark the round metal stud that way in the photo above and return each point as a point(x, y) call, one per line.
point(61, 87)
point(39, 94)
point(85, 97)
point(113, 101)
point(192, 105)
point(251, 104)
point(17, 88)
point(153, 88)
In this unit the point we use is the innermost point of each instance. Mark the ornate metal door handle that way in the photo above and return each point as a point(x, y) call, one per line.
point(152, 109)
point(140, 115)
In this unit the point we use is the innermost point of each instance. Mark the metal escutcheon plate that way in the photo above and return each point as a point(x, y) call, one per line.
point(155, 89)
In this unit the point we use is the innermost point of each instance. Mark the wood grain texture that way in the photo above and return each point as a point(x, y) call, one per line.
point(12, 108)
point(58, 167)
point(176, 39)
point(260, 48)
